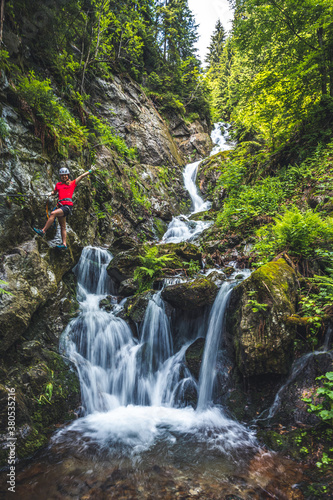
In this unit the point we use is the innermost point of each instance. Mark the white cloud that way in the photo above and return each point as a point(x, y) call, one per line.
point(207, 12)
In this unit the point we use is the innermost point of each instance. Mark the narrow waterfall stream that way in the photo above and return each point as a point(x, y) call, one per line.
point(140, 433)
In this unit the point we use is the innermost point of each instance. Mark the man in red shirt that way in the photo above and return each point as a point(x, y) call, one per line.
point(65, 189)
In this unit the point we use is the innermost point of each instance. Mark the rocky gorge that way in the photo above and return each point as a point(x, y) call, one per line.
point(125, 209)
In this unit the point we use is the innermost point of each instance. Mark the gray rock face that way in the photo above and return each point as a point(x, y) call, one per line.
point(133, 116)
point(259, 331)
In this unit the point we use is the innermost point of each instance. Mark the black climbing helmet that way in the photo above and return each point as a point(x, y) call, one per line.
point(64, 171)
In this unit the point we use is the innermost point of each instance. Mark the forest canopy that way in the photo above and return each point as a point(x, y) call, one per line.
point(275, 71)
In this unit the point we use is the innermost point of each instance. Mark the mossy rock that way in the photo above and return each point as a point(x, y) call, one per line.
point(184, 251)
point(257, 320)
point(191, 295)
point(193, 356)
point(160, 227)
point(128, 288)
point(136, 307)
point(122, 267)
point(206, 215)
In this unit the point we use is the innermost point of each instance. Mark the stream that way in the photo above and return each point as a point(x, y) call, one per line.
point(139, 435)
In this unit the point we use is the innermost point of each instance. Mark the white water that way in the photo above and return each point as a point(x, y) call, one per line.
point(137, 392)
point(297, 368)
point(181, 228)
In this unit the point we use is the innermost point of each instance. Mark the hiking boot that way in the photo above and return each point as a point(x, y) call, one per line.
point(40, 232)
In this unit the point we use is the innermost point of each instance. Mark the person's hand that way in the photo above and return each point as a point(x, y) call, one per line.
point(50, 193)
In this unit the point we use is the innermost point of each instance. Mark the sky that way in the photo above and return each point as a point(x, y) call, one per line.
point(207, 12)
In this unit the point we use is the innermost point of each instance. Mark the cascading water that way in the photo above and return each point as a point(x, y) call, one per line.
point(136, 392)
point(182, 228)
point(215, 327)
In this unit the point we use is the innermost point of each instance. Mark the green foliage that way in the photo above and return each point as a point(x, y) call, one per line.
point(322, 402)
point(152, 265)
point(2, 290)
point(254, 304)
point(246, 204)
point(102, 134)
point(275, 68)
point(319, 298)
point(4, 129)
point(296, 232)
point(64, 130)
point(192, 267)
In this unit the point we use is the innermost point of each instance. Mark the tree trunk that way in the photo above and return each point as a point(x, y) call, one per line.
point(2, 15)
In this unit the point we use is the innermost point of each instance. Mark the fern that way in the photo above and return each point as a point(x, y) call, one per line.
point(152, 264)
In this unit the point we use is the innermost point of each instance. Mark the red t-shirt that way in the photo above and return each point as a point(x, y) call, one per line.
point(65, 191)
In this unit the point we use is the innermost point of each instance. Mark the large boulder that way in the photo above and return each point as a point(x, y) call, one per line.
point(33, 272)
point(257, 320)
point(191, 295)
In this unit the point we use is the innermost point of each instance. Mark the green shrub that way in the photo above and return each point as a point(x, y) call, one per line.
point(103, 135)
point(249, 202)
point(151, 268)
point(63, 128)
point(299, 233)
point(2, 290)
point(4, 129)
point(323, 404)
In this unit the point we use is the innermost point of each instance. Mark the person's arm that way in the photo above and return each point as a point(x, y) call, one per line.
point(82, 176)
point(52, 193)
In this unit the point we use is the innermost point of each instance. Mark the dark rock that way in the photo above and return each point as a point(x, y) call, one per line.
point(122, 244)
point(262, 338)
point(193, 356)
point(136, 307)
point(122, 267)
point(128, 288)
point(199, 292)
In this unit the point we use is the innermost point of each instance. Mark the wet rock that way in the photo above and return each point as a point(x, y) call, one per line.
point(209, 173)
point(228, 270)
point(290, 409)
point(193, 356)
point(193, 139)
point(217, 278)
point(185, 251)
point(108, 303)
point(128, 288)
point(137, 306)
point(122, 267)
point(259, 306)
point(194, 294)
point(33, 277)
point(123, 243)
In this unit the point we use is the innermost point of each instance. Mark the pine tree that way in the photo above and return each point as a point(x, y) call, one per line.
point(216, 45)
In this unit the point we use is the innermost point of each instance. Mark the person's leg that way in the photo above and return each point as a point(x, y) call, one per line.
point(62, 222)
point(55, 213)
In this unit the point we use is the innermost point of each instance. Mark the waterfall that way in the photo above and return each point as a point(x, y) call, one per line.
point(181, 228)
point(208, 371)
point(138, 391)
